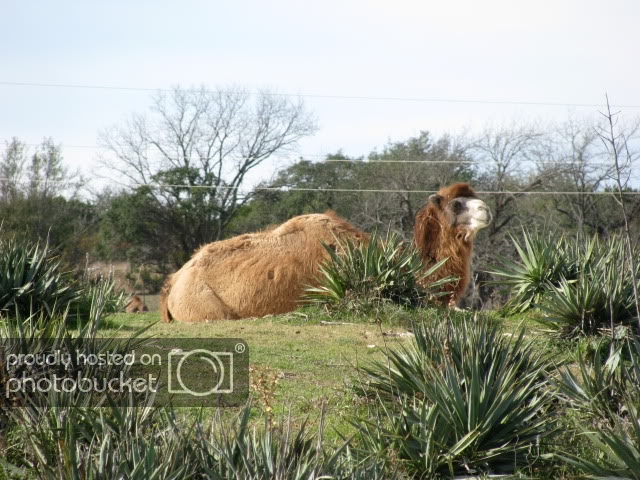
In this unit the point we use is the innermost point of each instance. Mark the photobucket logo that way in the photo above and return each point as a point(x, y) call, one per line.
point(217, 378)
point(67, 384)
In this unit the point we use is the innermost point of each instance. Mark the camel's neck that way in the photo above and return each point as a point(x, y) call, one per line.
point(428, 237)
point(436, 242)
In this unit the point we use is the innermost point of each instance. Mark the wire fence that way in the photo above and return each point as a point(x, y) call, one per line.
point(321, 158)
point(344, 190)
point(319, 96)
point(305, 157)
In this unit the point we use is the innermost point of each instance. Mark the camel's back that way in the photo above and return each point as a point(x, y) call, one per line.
point(295, 235)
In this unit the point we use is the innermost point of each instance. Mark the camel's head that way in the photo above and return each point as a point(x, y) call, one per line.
point(462, 209)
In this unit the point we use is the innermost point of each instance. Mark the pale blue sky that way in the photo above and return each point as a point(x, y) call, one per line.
point(543, 51)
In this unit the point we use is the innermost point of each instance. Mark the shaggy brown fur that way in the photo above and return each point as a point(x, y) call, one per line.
point(254, 274)
point(437, 236)
point(265, 273)
point(136, 305)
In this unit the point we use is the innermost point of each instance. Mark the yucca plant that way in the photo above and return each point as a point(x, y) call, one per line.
point(462, 398)
point(39, 335)
point(112, 298)
point(619, 449)
point(88, 434)
point(543, 261)
point(243, 451)
point(361, 276)
point(601, 295)
point(280, 450)
point(143, 441)
point(32, 279)
point(599, 388)
point(60, 442)
point(576, 307)
point(134, 442)
point(607, 396)
point(582, 286)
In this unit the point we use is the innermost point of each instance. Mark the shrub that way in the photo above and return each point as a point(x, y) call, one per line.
point(607, 396)
point(40, 334)
point(461, 399)
point(146, 442)
point(543, 261)
point(145, 278)
point(91, 435)
point(53, 442)
point(601, 295)
point(136, 442)
point(112, 299)
point(281, 451)
point(582, 286)
point(363, 276)
point(33, 281)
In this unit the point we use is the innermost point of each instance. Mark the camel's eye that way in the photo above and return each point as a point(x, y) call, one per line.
point(457, 206)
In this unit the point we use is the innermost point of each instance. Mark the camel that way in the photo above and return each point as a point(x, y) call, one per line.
point(136, 305)
point(445, 227)
point(262, 273)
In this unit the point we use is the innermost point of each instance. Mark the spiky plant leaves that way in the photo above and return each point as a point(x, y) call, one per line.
point(582, 286)
point(108, 442)
point(282, 451)
point(460, 399)
point(32, 280)
point(364, 276)
point(608, 398)
point(601, 295)
point(542, 261)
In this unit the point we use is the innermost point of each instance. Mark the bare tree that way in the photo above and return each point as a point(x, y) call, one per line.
point(194, 151)
point(507, 157)
point(38, 175)
point(419, 163)
point(578, 163)
point(616, 141)
point(12, 165)
point(47, 175)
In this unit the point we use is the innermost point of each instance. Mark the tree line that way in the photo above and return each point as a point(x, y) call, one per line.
point(187, 163)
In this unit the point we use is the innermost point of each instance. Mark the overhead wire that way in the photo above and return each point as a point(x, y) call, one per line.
point(302, 158)
point(347, 190)
point(347, 97)
point(320, 96)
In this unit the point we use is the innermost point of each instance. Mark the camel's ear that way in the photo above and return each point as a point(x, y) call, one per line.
point(436, 199)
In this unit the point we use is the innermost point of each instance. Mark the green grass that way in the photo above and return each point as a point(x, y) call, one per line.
point(311, 362)
point(305, 362)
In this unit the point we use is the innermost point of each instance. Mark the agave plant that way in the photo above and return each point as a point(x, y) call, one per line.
point(281, 450)
point(608, 397)
point(601, 294)
point(460, 399)
point(135, 442)
point(542, 262)
point(31, 279)
point(359, 276)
